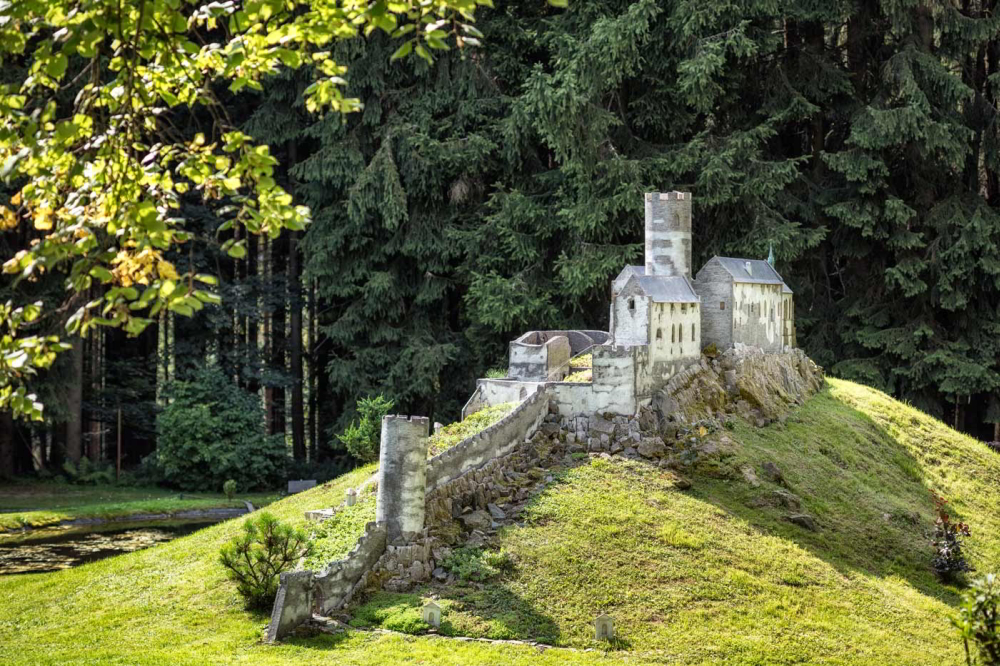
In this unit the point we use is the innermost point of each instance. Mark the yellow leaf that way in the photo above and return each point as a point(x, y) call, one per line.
point(167, 270)
point(8, 219)
point(16, 199)
point(43, 219)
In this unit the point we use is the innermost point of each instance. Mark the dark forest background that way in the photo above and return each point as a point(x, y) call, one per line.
point(500, 189)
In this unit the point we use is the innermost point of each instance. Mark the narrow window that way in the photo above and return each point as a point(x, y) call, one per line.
point(722, 305)
point(671, 308)
point(659, 334)
point(631, 305)
point(673, 334)
point(680, 333)
point(692, 331)
point(684, 308)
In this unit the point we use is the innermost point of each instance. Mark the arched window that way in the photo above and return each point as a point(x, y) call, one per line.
point(659, 334)
point(673, 328)
point(692, 331)
point(680, 332)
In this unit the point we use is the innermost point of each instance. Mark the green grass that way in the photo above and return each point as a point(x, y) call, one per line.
point(335, 537)
point(453, 433)
point(695, 577)
point(705, 575)
point(41, 504)
point(580, 376)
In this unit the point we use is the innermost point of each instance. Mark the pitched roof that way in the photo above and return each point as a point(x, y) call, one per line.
point(663, 289)
point(760, 272)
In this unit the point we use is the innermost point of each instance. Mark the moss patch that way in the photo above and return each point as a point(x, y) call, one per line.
point(334, 538)
point(453, 433)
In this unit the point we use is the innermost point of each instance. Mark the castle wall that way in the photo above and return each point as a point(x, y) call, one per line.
point(495, 441)
point(402, 473)
point(675, 343)
point(715, 287)
point(630, 317)
point(788, 321)
point(668, 233)
point(490, 392)
point(612, 389)
point(757, 320)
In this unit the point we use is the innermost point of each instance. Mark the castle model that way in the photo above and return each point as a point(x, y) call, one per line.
point(661, 320)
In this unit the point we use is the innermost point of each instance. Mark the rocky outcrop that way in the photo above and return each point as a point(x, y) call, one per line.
point(758, 386)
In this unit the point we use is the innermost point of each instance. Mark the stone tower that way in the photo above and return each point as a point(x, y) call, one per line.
point(668, 234)
point(399, 504)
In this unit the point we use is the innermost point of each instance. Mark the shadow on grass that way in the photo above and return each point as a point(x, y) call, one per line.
point(868, 494)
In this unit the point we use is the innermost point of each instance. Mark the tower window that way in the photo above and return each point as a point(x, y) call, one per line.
point(692, 331)
point(722, 305)
point(684, 308)
point(673, 334)
point(680, 333)
point(659, 334)
point(631, 305)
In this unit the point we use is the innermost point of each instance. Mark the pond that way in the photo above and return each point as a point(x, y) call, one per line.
point(52, 549)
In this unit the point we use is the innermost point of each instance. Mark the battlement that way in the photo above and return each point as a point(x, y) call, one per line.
point(669, 196)
point(403, 418)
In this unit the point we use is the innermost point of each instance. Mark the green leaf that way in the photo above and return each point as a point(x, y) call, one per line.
point(56, 66)
point(402, 51)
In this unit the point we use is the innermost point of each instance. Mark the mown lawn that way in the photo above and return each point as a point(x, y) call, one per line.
point(708, 575)
point(41, 504)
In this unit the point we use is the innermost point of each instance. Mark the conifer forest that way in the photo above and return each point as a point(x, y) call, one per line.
point(438, 195)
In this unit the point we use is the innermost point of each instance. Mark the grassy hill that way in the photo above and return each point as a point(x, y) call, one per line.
point(712, 574)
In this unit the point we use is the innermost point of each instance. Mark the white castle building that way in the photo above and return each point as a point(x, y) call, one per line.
point(661, 321)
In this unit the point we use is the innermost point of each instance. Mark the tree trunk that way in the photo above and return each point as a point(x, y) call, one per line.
point(277, 360)
point(295, 347)
point(74, 403)
point(313, 374)
point(96, 354)
point(6, 445)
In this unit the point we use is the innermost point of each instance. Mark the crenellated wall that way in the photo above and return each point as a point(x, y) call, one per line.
point(493, 442)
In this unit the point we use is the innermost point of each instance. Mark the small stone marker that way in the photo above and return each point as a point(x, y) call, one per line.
point(604, 627)
point(299, 485)
point(432, 614)
point(352, 496)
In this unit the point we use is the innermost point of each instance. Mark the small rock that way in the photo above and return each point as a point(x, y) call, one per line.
point(750, 476)
point(548, 429)
point(772, 472)
point(629, 451)
point(496, 512)
point(652, 447)
point(601, 425)
point(440, 574)
point(594, 445)
point(476, 520)
point(804, 520)
point(576, 448)
point(682, 482)
point(605, 439)
point(417, 571)
point(787, 500)
point(571, 438)
point(616, 448)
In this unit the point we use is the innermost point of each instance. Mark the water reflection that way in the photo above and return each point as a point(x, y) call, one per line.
point(51, 550)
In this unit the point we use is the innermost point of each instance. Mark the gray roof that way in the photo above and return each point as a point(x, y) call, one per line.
point(761, 272)
point(667, 289)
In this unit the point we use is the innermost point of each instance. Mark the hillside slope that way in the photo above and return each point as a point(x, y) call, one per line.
point(714, 573)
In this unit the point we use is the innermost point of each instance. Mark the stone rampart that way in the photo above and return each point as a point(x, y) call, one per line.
point(399, 504)
point(493, 442)
point(336, 584)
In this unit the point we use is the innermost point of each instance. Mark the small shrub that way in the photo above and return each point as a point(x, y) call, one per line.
point(229, 488)
point(89, 473)
point(362, 437)
point(254, 558)
point(949, 559)
point(496, 373)
point(977, 621)
point(212, 431)
point(475, 564)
